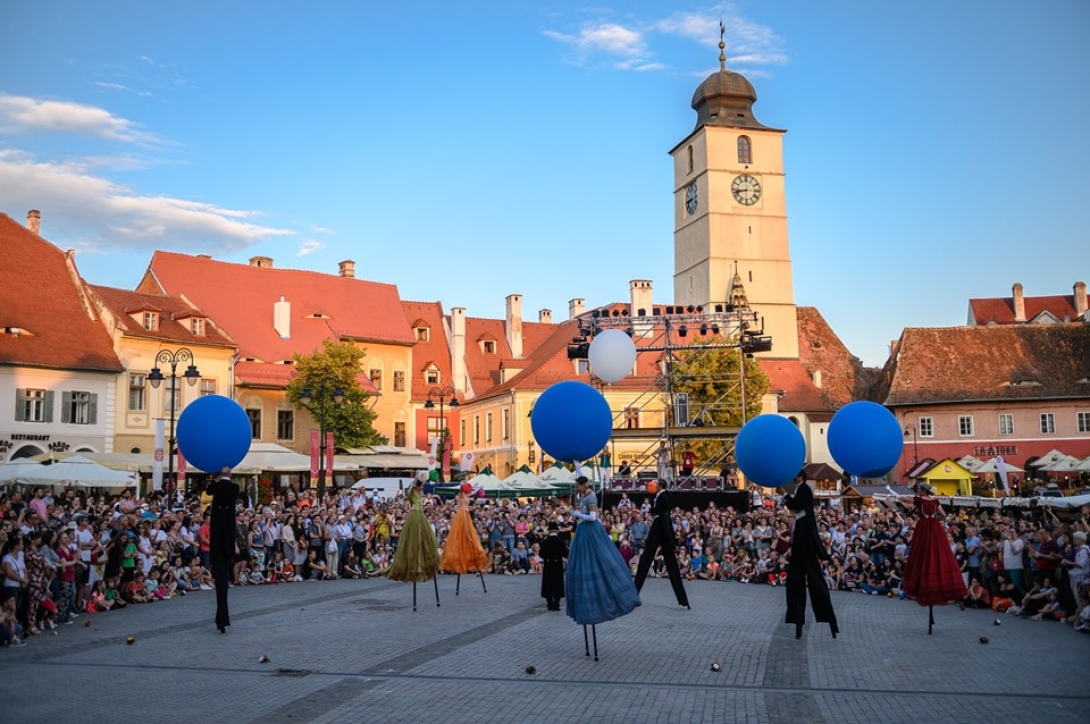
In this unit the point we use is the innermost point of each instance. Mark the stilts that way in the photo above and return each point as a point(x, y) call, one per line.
point(931, 619)
point(586, 641)
point(435, 580)
point(458, 584)
point(414, 596)
point(594, 634)
point(480, 574)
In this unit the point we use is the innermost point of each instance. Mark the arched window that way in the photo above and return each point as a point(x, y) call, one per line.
point(689, 159)
point(744, 153)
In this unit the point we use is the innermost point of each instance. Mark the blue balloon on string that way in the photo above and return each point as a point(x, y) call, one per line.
point(214, 433)
point(770, 451)
point(571, 421)
point(865, 439)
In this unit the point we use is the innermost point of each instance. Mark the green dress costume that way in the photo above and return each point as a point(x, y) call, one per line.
point(417, 556)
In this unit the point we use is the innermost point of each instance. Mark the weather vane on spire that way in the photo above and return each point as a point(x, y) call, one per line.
point(722, 46)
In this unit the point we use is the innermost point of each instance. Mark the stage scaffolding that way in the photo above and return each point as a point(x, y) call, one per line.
point(683, 336)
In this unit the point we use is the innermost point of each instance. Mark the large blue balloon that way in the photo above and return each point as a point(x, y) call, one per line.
point(865, 439)
point(214, 433)
point(571, 421)
point(770, 450)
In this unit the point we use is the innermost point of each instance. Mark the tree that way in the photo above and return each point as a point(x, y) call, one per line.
point(710, 376)
point(337, 366)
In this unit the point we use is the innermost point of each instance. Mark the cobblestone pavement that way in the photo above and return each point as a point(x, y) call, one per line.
point(355, 651)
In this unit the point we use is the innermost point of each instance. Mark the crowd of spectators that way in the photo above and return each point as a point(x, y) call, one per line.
point(80, 555)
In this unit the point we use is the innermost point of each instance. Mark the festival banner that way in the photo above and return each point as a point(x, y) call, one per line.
point(157, 458)
point(314, 458)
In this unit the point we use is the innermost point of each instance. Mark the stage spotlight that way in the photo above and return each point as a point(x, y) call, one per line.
point(682, 331)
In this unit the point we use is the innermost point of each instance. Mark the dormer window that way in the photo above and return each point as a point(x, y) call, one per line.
point(196, 325)
point(488, 346)
point(431, 375)
point(423, 334)
point(151, 320)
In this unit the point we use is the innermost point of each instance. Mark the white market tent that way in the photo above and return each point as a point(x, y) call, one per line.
point(991, 466)
point(76, 471)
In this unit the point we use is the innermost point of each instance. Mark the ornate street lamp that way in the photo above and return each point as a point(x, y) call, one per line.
point(306, 400)
point(442, 394)
point(182, 355)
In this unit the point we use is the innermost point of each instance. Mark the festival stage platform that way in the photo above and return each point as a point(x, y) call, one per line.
point(684, 499)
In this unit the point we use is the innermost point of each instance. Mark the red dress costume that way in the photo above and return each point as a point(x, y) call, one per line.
point(932, 576)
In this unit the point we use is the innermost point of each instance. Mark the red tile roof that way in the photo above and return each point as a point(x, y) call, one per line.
point(122, 303)
point(277, 376)
point(844, 379)
point(789, 376)
point(240, 298)
point(1005, 362)
point(1000, 310)
point(41, 292)
point(435, 350)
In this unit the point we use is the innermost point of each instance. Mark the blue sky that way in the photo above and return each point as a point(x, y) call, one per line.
point(464, 151)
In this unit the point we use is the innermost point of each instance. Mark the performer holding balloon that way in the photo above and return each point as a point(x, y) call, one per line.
point(463, 552)
point(597, 584)
point(661, 536)
point(804, 566)
point(417, 556)
point(932, 576)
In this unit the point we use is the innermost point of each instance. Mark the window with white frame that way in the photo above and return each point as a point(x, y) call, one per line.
point(422, 334)
point(965, 425)
point(34, 405)
point(197, 326)
point(138, 392)
point(151, 320)
point(1048, 423)
point(506, 423)
point(399, 434)
point(208, 386)
point(1082, 421)
point(255, 423)
point(431, 375)
point(488, 427)
point(435, 424)
point(476, 430)
point(927, 427)
point(172, 399)
point(79, 408)
point(1006, 423)
point(582, 367)
point(376, 378)
point(399, 380)
point(488, 346)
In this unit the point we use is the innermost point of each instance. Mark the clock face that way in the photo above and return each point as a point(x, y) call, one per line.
point(691, 199)
point(746, 190)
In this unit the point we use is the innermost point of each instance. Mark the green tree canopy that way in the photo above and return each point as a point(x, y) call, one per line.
point(338, 365)
point(710, 376)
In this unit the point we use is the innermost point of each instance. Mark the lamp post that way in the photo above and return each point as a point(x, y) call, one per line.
point(915, 444)
point(531, 455)
point(306, 399)
point(442, 394)
point(182, 355)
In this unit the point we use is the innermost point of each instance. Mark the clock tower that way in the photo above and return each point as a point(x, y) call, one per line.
point(730, 211)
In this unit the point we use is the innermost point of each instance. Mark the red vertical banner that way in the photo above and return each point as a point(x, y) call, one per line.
point(329, 457)
point(445, 456)
point(314, 457)
point(181, 471)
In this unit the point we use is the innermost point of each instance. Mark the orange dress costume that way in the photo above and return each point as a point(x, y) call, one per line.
point(463, 552)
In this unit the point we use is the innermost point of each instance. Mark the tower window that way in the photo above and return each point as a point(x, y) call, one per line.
point(744, 153)
point(689, 159)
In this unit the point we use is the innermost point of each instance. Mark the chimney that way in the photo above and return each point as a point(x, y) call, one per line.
point(640, 290)
point(458, 348)
point(281, 316)
point(1080, 298)
point(265, 262)
point(545, 316)
point(347, 269)
point(1019, 303)
point(817, 379)
point(514, 324)
point(575, 308)
point(34, 221)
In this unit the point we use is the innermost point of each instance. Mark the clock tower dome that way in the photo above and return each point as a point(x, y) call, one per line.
point(730, 211)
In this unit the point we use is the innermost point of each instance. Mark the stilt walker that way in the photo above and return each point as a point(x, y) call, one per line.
point(597, 584)
point(417, 556)
point(661, 536)
point(221, 551)
point(804, 567)
point(463, 552)
point(932, 576)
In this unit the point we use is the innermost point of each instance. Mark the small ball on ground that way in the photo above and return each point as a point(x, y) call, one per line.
point(531, 670)
point(716, 667)
point(983, 639)
point(130, 640)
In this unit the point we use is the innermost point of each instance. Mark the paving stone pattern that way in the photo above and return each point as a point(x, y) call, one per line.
point(355, 651)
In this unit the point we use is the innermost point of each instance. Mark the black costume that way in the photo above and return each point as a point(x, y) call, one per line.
point(553, 551)
point(221, 525)
point(804, 566)
point(661, 535)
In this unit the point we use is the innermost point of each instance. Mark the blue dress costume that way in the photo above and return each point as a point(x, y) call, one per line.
point(597, 584)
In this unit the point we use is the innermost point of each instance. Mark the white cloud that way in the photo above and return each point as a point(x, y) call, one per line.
point(309, 246)
point(749, 45)
point(98, 213)
point(322, 230)
point(123, 89)
point(22, 114)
